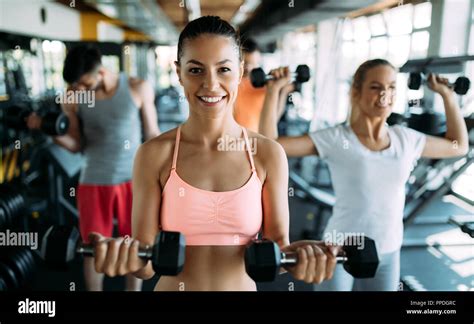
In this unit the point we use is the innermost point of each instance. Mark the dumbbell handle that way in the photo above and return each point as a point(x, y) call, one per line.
point(270, 77)
point(88, 250)
point(291, 258)
point(424, 78)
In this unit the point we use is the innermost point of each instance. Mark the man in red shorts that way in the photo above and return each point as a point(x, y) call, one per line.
point(108, 131)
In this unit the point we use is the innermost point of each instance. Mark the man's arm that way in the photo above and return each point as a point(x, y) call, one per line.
point(148, 110)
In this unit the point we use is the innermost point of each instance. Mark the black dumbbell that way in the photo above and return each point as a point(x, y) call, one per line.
point(258, 77)
point(8, 276)
point(12, 205)
point(61, 244)
point(396, 119)
point(460, 86)
point(298, 86)
point(17, 266)
point(22, 262)
point(3, 217)
point(3, 285)
point(52, 123)
point(263, 259)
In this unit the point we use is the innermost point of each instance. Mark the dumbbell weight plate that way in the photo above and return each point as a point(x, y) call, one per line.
point(268, 258)
point(12, 203)
point(8, 276)
point(258, 77)
point(414, 81)
point(59, 246)
point(55, 123)
point(3, 285)
point(361, 263)
point(62, 124)
point(22, 266)
point(30, 264)
point(3, 217)
point(11, 207)
point(19, 203)
point(15, 205)
point(30, 259)
point(6, 208)
point(462, 85)
point(13, 260)
point(22, 257)
point(169, 249)
point(302, 74)
point(395, 119)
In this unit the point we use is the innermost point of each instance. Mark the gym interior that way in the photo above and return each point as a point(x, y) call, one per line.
point(321, 42)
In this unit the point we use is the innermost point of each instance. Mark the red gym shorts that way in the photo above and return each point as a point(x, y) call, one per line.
point(98, 204)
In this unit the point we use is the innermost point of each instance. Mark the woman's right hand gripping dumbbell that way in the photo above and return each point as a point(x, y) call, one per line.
point(117, 256)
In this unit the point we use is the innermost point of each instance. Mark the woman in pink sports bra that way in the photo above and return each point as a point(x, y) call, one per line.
point(207, 180)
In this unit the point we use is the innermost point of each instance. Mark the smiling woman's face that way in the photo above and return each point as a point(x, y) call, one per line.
point(210, 72)
point(378, 93)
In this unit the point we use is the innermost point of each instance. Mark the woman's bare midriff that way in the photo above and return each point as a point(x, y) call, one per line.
point(210, 268)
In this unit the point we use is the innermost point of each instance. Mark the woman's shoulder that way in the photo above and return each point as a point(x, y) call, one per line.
point(264, 149)
point(329, 135)
point(263, 141)
point(159, 148)
point(333, 130)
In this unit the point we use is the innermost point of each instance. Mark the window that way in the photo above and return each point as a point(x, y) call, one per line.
point(419, 44)
point(467, 102)
point(399, 20)
point(471, 39)
point(399, 49)
point(422, 15)
point(166, 75)
point(294, 49)
point(378, 47)
point(111, 62)
point(361, 25)
point(347, 33)
point(54, 53)
point(397, 34)
point(377, 25)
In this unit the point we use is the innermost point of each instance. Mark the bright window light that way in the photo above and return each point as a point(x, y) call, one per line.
point(399, 20)
point(422, 15)
point(361, 29)
point(377, 25)
point(378, 47)
point(347, 32)
point(463, 185)
point(419, 44)
point(399, 49)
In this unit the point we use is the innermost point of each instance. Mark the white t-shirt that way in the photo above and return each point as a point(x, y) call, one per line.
point(369, 185)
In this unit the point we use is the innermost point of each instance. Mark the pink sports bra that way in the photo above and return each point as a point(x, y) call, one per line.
point(209, 217)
